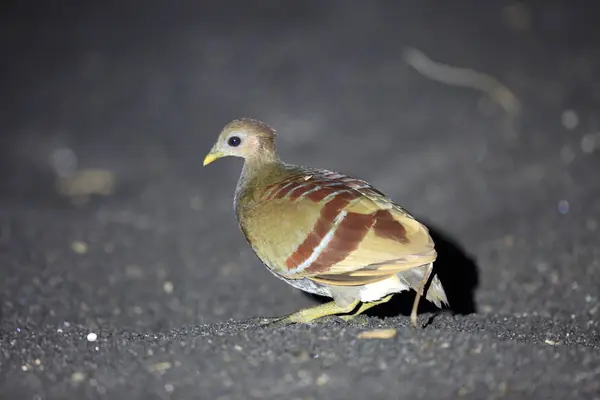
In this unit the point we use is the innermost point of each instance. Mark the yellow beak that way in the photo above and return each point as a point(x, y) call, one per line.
point(212, 156)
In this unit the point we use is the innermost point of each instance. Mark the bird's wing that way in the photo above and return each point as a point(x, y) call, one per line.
point(347, 232)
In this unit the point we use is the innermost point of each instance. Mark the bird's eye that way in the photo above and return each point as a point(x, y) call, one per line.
point(234, 141)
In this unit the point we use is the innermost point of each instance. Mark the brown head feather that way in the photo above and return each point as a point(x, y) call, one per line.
point(255, 142)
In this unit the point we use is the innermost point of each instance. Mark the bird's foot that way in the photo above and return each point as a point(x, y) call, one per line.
point(364, 307)
point(319, 314)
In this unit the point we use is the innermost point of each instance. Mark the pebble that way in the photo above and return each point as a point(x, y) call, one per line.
point(322, 379)
point(588, 298)
point(79, 247)
point(563, 207)
point(570, 119)
point(168, 287)
point(590, 142)
point(77, 377)
point(91, 337)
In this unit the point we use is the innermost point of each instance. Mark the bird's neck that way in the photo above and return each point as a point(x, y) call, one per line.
point(255, 177)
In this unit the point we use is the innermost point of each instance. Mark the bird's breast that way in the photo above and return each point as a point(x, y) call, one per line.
point(275, 230)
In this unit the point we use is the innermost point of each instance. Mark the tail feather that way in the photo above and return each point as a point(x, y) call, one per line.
point(435, 292)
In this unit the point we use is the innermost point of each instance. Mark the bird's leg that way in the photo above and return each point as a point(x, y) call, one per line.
point(366, 306)
point(413, 313)
point(310, 314)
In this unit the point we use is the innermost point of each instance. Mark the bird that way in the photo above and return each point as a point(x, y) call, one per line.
point(325, 232)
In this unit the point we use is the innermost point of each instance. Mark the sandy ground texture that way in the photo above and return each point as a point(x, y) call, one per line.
point(123, 272)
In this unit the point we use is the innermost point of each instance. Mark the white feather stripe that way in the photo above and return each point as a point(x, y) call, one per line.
point(283, 187)
point(303, 195)
point(322, 244)
point(332, 195)
point(298, 187)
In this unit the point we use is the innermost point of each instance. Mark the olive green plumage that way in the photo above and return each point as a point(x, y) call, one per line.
point(325, 232)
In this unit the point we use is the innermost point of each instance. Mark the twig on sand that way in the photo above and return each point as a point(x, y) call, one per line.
point(464, 77)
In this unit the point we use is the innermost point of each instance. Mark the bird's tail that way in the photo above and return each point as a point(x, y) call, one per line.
point(413, 278)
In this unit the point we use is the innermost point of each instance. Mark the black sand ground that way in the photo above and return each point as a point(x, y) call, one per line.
point(157, 269)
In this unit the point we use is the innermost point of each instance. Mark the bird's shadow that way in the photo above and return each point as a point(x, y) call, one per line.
point(458, 273)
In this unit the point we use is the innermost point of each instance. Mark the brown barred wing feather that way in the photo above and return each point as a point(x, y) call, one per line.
point(353, 234)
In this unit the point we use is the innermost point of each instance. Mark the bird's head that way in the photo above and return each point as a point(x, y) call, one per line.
point(247, 138)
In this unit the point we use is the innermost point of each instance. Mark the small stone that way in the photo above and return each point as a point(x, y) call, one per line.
point(590, 142)
point(569, 119)
point(77, 377)
point(563, 207)
point(168, 287)
point(25, 368)
point(79, 247)
point(550, 342)
point(322, 379)
point(169, 388)
point(91, 337)
point(37, 362)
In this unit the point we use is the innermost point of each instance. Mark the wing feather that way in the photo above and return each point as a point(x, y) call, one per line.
point(339, 230)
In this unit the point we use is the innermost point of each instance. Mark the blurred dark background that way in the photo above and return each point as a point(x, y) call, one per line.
point(107, 108)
